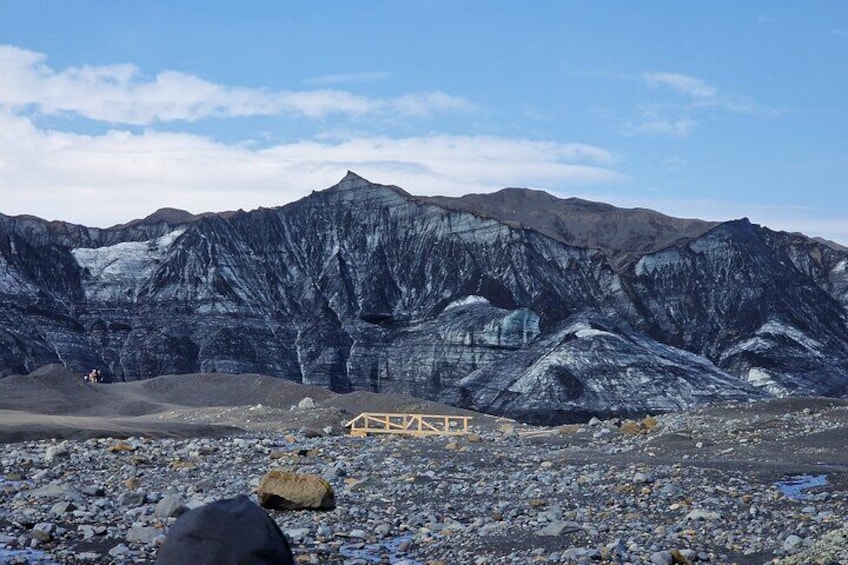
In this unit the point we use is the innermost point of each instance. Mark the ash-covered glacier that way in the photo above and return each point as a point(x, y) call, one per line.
point(364, 287)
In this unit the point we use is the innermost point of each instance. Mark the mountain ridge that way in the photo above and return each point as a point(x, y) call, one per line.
point(367, 287)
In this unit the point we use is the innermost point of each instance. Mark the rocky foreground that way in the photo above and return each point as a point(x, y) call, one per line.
point(706, 486)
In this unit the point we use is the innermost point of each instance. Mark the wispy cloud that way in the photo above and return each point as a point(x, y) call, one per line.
point(113, 177)
point(700, 93)
point(348, 78)
point(672, 128)
point(684, 84)
point(840, 33)
point(674, 111)
point(121, 94)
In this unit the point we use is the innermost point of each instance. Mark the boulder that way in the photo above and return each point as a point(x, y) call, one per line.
point(307, 403)
point(233, 530)
point(282, 490)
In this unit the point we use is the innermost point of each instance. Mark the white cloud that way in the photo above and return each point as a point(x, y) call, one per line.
point(102, 180)
point(111, 178)
point(120, 94)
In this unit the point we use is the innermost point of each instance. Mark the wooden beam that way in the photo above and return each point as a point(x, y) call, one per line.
point(408, 424)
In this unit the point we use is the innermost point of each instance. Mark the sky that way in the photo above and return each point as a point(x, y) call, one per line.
point(710, 109)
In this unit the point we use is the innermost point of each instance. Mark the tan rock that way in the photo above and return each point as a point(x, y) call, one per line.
point(650, 423)
point(630, 428)
point(507, 429)
point(282, 490)
point(120, 445)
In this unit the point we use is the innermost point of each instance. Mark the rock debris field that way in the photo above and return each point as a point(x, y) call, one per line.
point(760, 483)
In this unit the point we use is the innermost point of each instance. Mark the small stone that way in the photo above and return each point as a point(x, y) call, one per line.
point(55, 452)
point(297, 535)
point(630, 428)
point(204, 484)
point(43, 531)
point(699, 514)
point(61, 508)
point(94, 491)
point(119, 446)
point(684, 555)
point(662, 558)
point(559, 528)
point(307, 403)
point(170, 507)
point(792, 542)
point(119, 550)
point(131, 498)
point(142, 534)
point(640, 478)
point(86, 531)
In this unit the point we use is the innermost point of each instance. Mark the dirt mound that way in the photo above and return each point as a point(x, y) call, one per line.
point(54, 390)
point(55, 402)
point(221, 389)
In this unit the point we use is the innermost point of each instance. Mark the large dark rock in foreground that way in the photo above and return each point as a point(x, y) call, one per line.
point(365, 287)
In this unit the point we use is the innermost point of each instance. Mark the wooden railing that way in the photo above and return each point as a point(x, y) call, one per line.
point(409, 424)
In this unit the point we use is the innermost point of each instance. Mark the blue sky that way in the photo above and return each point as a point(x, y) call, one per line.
point(717, 110)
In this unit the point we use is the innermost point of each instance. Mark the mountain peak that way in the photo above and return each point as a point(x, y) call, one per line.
point(352, 180)
point(170, 216)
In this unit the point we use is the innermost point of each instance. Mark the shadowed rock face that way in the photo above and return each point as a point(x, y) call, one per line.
point(364, 287)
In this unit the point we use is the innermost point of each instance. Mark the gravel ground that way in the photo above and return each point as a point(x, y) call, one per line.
point(696, 487)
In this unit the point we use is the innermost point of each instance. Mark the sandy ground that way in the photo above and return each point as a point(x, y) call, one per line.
point(804, 435)
point(55, 403)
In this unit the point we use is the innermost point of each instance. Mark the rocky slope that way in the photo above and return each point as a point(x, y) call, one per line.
point(365, 287)
point(623, 234)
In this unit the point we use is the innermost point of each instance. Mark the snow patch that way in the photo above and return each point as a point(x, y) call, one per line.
point(650, 263)
point(592, 332)
point(583, 330)
point(116, 272)
point(763, 340)
point(762, 379)
point(793, 333)
point(467, 301)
